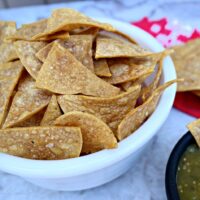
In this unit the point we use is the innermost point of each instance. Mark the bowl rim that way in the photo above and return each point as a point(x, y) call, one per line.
point(102, 159)
point(172, 165)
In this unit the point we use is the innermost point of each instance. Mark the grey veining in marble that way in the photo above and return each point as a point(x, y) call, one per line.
point(146, 180)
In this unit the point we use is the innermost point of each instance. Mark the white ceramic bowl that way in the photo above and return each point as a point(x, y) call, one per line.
point(101, 167)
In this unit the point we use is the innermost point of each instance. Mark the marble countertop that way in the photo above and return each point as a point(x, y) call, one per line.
point(146, 180)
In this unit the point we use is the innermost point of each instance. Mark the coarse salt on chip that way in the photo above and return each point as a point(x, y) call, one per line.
point(194, 128)
point(42, 143)
point(101, 68)
point(68, 19)
point(79, 45)
point(138, 115)
point(9, 77)
point(112, 48)
point(26, 51)
point(52, 112)
point(96, 134)
point(27, 101)
point(111, 110)
point(186, 60)
point(62, 73)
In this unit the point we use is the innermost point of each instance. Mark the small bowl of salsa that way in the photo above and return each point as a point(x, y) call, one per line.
point(182, 179)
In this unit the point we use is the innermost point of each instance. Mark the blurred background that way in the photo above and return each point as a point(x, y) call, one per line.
point(20, 3)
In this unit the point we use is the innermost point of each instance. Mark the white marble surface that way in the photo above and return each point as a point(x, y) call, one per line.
point(146, 180)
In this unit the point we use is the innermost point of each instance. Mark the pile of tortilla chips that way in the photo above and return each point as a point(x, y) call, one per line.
point(70, 86)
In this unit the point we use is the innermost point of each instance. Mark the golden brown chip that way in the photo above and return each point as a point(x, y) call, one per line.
point(27, 101)
point(101, 68)
point(61, 73)
point(7, 28)
point(79, 45)
point(112, 48)
point(186, 60)
point(26, 51)
point(59, 142)
point(68, 19)
point(194, 128)
point(96, 134)
point(89, 31)
point(125, 70)
point(138, 115)
point(111, 110)
point(35, 120)
point(53, 111)
point(63, 35)
point(125, 86)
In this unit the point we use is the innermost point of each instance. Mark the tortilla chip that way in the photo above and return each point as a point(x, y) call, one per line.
point(125, 70)
point(186, 60)
point(68, 19)
point(89, 31)
point(26, 51)
point(27, 31)
point(63, 35)
point(27, 101)
point(59, 142)
point(101, 68)
point(111, 110)
point(134, 119)
point(53, 111)
point(79, 45)
point(125, 86)
point(61, 73)
point(112, 48)
point(7, 28)
point(194, 128)
point(35, 120)
point(96, 134)
point(9, 76)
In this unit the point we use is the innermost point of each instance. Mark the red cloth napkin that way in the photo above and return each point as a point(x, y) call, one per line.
point(185, 101)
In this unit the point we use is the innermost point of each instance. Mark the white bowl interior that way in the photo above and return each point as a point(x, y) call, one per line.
point(104, 158)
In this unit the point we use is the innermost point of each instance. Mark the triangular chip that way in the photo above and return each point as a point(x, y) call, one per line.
point(111, 110)
point(68, 19)
point(62, 73)
point(42, 143)
point(35, 120)
point(89, 31)
point(194, 128)
point(79, 45)
point(112, 48)
point(96, 134)
point(52, 112)
point(101, 68)
point(125, 70)
point(27, 101)
point(26, 51)
point(186, 60)
point(7, 28)
point(138, 115)
point(9, 76)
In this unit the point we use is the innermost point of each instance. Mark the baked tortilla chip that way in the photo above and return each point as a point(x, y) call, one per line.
point(27, 101)
point(194, 128)
point(79, 45)
point(96, 134)
point(53, 111)
point(138, 115)
point(62, 73)
point(42, 143)
point(35, 120)
point(112, 48)
point(26, 51)
point(101, 68)
point(111, 110)
point(7, 28)
point(89, 31)
point(9, 77)
point(186, 60)
point(68, 19)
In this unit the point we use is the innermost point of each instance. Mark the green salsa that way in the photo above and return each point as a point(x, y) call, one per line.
point(188, 175)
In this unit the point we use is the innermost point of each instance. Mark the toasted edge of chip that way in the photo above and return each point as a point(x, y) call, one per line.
point(194, 128)
point(52, 112)
point(42, 143)
point(96, 134)
point(138, 115)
